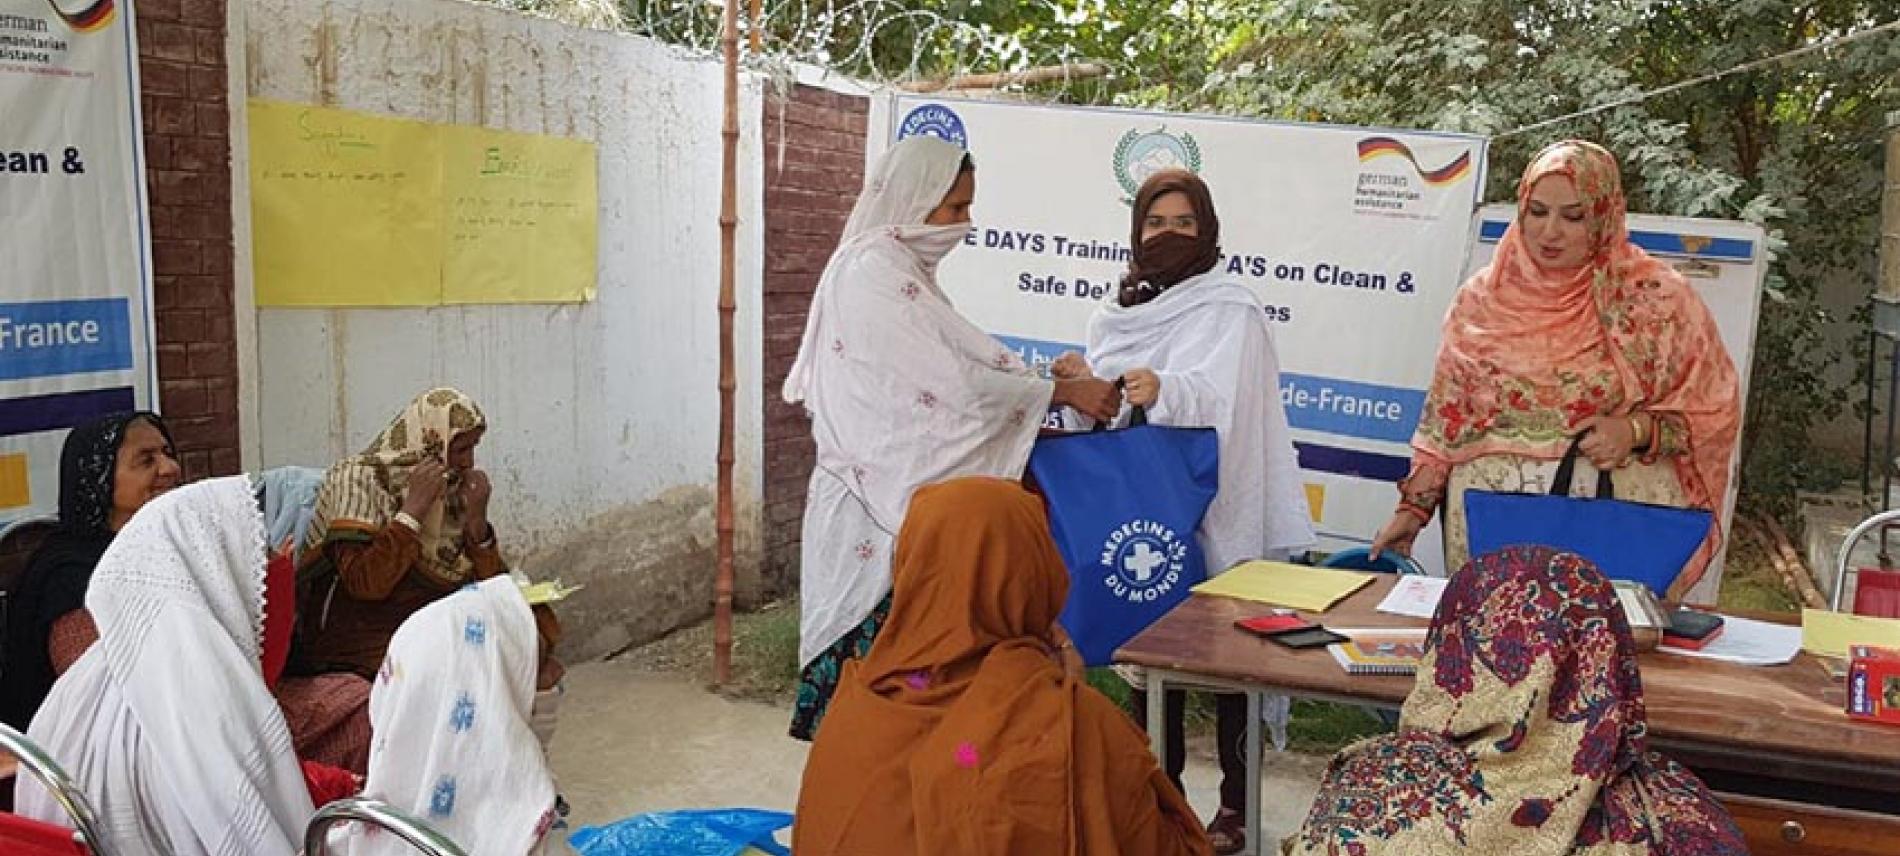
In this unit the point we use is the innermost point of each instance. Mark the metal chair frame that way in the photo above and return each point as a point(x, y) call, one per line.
point(35, 760)
point(409, 828)
point(1878, 521)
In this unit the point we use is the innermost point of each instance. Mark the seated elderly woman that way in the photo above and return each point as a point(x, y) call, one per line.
point(108, 470)
point(397, 528)
point(454, 741)
point(968, 727)
point(167, 724)
point(1525, 734)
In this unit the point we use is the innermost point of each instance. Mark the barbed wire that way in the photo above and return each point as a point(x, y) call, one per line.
point(879, 43)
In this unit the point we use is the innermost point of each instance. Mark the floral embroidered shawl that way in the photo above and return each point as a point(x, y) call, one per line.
point(1525, 734)
point(1528, 355)
point(361, 494)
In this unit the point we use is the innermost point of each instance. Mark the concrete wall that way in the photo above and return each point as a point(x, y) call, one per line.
point(604, 415)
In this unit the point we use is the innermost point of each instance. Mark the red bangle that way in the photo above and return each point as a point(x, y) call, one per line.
point(1422, 514)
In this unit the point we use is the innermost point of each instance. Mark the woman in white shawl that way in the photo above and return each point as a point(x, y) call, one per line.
point(166, 723)
point(1191, 346)
point(903, 392)
point(450, 713)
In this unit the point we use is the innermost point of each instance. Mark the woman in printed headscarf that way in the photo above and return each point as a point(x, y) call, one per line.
point(1525, 734)
point(1573, 329)
point(167, 724)
point(396, 528)
point(1192, 347)
point(108, 470)
point(453, 741)
point(969, 728)
point(903, 391)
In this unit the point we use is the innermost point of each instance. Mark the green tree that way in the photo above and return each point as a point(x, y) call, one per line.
point(1794, 146)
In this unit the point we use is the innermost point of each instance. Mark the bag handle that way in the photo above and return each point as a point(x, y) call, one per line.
point(1567, 472)
point(1137, 417)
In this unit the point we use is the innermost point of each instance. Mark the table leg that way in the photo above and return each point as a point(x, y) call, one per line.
point(1157, 713)
point(1256, 837)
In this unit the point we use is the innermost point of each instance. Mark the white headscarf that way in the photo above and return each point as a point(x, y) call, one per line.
point(1208, 341)
point(450, 712)
point(907, 183)
point(166, 723)
point(903, 390)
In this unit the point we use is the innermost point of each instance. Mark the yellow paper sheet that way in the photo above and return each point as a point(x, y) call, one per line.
point(1281, 584)
point(1827, 634)
point(546, 591)
point(522, 212)
point(345, 208)
point(353, 209)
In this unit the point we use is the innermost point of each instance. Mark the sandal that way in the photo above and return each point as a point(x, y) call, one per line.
point(1228, 832)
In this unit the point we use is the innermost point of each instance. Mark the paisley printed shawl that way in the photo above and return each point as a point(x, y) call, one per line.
point(1525, 734)
point(361, 494)
point(1528, 354)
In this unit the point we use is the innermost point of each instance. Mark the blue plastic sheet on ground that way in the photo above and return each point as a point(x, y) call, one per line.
point(698, 832)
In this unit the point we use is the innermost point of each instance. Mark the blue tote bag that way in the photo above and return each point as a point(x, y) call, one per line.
point(1634, 541)
point(1124, 506)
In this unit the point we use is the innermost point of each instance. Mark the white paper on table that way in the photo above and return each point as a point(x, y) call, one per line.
point(1414, 596)
point(1749, 643)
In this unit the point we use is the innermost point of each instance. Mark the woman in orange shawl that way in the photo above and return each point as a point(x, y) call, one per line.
point(968, 727)
point(1573, 329)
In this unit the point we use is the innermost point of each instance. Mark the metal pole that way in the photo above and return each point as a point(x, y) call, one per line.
point(728, 227)
point(1256, 837)
point(1867, 424)
point(1886, 457)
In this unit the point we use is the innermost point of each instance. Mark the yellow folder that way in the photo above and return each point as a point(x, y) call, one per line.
point(1281, 584)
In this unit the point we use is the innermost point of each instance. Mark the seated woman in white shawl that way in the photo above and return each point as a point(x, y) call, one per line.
point(903, 392)
point(452, 742)
point(1191, 346)
point(166, 723)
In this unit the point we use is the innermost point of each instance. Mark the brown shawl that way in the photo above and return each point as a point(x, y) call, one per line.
point(963, 731)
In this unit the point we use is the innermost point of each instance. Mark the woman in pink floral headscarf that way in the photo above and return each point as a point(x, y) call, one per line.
point(1573, 329)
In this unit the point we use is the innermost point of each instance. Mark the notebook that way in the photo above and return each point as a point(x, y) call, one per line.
point(1380, 652)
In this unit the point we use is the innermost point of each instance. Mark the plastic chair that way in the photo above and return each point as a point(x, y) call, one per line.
point(399, 823)
point(84, 838)
point(1360, 559)
point(1874, 592)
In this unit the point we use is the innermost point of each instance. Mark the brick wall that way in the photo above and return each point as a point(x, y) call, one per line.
point(808, 195)
point(188, 176)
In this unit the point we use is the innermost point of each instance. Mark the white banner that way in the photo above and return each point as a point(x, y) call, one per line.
point(1724, 262)
point(75, 262)
point(1354, 239)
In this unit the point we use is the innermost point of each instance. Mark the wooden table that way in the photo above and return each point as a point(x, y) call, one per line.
point(1776, 731)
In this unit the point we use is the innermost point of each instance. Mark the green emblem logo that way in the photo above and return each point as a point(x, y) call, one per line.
point(1140, 155)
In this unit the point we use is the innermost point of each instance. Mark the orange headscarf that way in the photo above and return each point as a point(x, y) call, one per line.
point(1529, 354)
point(963, 731)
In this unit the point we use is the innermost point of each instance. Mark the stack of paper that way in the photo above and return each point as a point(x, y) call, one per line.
point(1749, 643)
point(1281, 584)
point(1415, 596)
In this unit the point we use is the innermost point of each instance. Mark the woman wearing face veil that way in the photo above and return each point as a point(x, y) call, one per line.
point(1192, 347)
point(903, 392)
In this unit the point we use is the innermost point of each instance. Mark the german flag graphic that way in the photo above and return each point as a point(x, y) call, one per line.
point(92, 16)
point(1451, 173)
